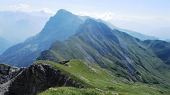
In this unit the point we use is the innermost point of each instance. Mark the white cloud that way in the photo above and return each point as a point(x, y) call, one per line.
point(104, 16)
point(48, 11)
point(27, 9)
point(20, 7)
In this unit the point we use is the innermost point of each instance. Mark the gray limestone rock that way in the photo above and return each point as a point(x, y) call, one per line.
point(35, 79)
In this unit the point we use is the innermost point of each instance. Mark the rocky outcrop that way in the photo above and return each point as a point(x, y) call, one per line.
point(37, 78)
point(7, 72)
point(64, 62)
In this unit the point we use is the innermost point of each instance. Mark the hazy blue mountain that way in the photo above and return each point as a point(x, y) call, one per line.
point(147, 26)
point(162, 32)
point(33, 23)
point(168, 40)
point(118, 52)
point(4, 44)
point(59, 27)
point(13, 24)
point(139, 35)
point(132, 33)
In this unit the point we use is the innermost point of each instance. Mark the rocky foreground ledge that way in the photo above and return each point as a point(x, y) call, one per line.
point(32, 80)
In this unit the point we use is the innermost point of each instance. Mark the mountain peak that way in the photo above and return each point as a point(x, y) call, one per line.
point(94, 27)
point(59, 27)
point(63, 12)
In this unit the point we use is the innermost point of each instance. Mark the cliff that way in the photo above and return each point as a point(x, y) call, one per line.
point(35, 79)
point(7, 72)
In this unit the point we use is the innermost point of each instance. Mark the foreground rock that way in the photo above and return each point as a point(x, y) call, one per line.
point(35, 79)
point(7, 72)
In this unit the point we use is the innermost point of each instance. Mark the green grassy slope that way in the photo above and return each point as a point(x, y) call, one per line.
point(160, 48)
point(98, 81)
point(146, 61)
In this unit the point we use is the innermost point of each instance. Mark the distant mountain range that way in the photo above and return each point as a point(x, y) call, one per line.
point(139, 35)
point(4, 44)
point(18, 26)
point(156, 27)
point(160, 32)
point(59, 27)
point(14, 23)
point(168, 40)
point(132, 33)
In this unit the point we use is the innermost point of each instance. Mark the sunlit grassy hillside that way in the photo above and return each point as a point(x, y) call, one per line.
point(98, 81)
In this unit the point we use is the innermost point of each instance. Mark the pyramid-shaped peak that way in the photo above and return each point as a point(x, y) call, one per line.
point(63, 12)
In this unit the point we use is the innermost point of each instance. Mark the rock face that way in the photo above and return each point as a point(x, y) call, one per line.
point(37, 78)
point(7, 72)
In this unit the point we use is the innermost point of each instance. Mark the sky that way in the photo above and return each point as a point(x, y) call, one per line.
point(145, 16)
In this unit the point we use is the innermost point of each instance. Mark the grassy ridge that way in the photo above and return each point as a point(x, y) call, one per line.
point(88, 74)
point(118, 52)
point(97, 81)
point(151, 68)
point(75, 91)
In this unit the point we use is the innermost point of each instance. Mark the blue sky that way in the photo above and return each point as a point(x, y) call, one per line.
point(130, 8)
point(122, 13)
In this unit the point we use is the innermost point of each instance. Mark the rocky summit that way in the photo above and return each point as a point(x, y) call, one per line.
point(35, 79)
